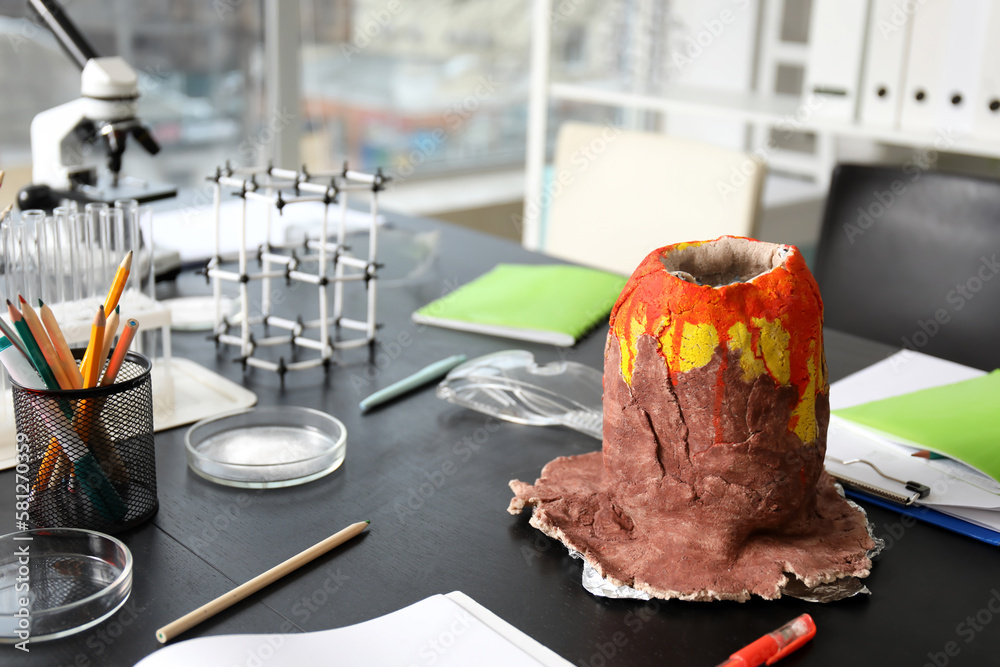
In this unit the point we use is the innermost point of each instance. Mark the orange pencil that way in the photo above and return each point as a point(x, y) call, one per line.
point(48, 464)
point(88, 368)
point(115, 365)
point(118, 285)
point(110, 331)
point(111, 302)
point(44, 344)
point(59, 343)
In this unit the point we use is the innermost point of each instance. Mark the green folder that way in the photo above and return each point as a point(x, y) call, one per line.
point(546, 303)
point(960, 420)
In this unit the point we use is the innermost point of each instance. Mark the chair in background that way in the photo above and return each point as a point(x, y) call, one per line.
point(616, 195)
point(910, 258)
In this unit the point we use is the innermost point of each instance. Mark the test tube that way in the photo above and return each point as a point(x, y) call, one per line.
point(129, 239)
point(112, 230)
point(95, 248)
point(145, 221)
point(64, 218)
point(20, 247)
point(50, 269)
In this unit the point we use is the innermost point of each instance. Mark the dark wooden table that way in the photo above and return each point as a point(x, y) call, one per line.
point(432, 478)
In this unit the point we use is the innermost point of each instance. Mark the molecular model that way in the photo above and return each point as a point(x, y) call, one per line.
point(324, 262)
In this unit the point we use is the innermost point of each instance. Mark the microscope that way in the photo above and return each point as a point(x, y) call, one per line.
point(68, 141)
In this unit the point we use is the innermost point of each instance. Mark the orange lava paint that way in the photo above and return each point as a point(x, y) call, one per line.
point(781, 310)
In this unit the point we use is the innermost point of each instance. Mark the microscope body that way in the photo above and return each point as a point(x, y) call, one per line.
point(68, 142)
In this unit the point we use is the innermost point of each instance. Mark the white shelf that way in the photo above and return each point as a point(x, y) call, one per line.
point(769, 109)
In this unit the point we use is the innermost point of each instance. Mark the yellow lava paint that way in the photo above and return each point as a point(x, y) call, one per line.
point(774, 324)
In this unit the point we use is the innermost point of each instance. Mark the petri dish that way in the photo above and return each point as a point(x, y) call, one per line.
point(266, 447)
point(73, 579)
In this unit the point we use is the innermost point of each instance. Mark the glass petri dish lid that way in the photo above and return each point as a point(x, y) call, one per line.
point(266, 447)
point(55, 582)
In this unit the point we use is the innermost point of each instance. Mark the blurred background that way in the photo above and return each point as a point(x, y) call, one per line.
point(436, 92)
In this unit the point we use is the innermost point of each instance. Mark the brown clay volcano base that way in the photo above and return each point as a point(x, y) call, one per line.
point(660, 513)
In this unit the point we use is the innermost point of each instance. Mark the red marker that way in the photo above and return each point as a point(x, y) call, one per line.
point(774, 646)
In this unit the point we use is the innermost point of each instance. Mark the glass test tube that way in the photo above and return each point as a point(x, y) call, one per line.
point(20, 246)
point(94, 247)
point(64, 218)
point(129, 240)
point(112, 231)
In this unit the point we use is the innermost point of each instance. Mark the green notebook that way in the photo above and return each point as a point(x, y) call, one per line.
point(960, 420)
point(554, 304)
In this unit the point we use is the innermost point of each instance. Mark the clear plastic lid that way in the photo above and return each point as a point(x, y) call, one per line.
point(509, 385)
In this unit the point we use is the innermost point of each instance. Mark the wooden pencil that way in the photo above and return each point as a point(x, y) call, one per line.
point(110, 331)
point(59, 343)
point(188, 621)
point(121, 349)
point(111, 302)
point(35, 355)
point(118, 284)
point(15, 339)
point(42, 338)
point(88, 368)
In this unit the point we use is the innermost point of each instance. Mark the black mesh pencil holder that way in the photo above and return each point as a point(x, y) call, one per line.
point(91, 462)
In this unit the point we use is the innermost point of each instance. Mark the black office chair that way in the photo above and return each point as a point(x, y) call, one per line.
point(912, 258)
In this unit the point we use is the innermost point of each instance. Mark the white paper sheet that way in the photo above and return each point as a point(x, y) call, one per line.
point(442, 630)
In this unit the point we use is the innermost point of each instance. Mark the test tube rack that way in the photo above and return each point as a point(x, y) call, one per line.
point(335, 266)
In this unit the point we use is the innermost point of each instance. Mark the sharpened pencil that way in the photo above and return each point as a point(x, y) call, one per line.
point(121, 349)
point(34, 352)
point(110, 331)
point(15, 339)
point(89, 368)
point(226, 600)
point(42, 338)
point(61, 346)
point(111, 302)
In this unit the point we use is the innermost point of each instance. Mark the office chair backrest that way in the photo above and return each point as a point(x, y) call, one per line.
point(617, 195)
point(910, 257)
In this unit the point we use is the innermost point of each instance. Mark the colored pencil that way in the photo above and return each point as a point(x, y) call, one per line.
point(111, 302)
point(48, 466)
point(89, 368)
point(34, 352)
point(121, 349)
point(15, 339)
point(42, 338)
point(59, 343)
point(226, 600)
point(110, 331)
point(118, 285)
point(6, 211)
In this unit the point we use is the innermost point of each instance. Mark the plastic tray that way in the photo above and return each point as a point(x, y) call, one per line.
point(266, 447)
point(73, 580)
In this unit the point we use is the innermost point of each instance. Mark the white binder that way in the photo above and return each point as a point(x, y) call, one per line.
point(924, 65)
point(986, 123)
point(946, 52)
point(884, 71)
point(833, 69)
point(963, 62)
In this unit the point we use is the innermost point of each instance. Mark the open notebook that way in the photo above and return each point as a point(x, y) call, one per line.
point(450, 630)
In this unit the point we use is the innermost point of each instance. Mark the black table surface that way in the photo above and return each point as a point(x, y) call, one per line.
point(432, 478)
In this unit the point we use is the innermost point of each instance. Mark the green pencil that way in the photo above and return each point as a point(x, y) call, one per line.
point(34, 352)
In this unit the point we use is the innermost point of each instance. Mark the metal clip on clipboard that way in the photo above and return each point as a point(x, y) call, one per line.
point(916, 489)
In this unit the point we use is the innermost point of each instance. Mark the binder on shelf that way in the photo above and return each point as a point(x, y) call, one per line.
point(963, 62)
point(986, 117)
point(884, 70)
point(833, 68)
point(947, 47)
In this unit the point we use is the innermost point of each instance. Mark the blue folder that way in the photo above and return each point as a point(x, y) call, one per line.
point(928, 515)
